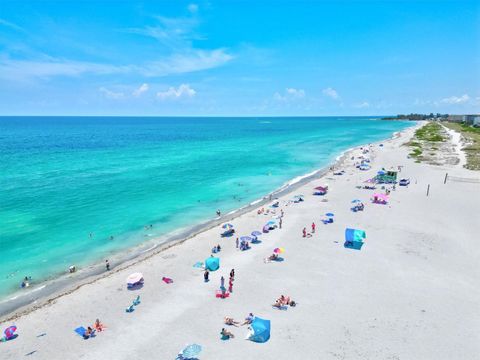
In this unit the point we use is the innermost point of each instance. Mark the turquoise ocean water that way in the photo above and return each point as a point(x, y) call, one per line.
point(62, 178)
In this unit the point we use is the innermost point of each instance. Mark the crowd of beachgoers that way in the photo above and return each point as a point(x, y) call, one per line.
point(257, 268)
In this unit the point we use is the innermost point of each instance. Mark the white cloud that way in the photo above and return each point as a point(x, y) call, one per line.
point(330, 92)
point(111, 94)
point(11, 25)
point(193, 8)
point(455, 99)
point(195, 60)
point(143, 88)
point(290, 94)
point(183, 91)
point(189, 62)
point(363, 105)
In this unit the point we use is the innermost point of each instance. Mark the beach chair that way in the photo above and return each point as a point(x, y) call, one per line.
point(136, 301)
point(130, 309)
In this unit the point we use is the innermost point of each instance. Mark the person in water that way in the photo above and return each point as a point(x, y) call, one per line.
point(107, 265)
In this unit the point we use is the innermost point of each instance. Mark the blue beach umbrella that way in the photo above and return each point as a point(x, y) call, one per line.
point(212, 263)
point(246, 238)
point(191, 351)
point(260, 329)
point(271, 222)
point(355, 201)
point(330, 214)
point(227, 226)
point(256, 233)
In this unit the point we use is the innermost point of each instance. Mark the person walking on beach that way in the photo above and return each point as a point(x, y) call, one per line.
point(218, 212)
point(281, 213)
point(313, 227)
point(236, 243)
point(107, 265)
point(232, 273)
point(280, 223)
point(304, 232)
point(230, 285)
point(222, 282)
point(205, 276)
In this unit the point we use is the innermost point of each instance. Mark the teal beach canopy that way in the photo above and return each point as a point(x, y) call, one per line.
point(212, 263)
point(354, 238)
point(260, 329)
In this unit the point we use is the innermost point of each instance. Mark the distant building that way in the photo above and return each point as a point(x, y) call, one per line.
point(476, 121)
point(456, 118)
point(467, 119)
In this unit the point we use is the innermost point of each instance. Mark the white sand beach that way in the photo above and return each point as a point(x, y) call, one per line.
point(411, 292)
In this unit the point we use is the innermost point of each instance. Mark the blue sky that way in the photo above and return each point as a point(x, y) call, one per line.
point(239, 57)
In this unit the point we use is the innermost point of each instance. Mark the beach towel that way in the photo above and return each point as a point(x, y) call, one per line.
point(80, 331)
point(198, 264)
point(167, 280)
point(219, 294)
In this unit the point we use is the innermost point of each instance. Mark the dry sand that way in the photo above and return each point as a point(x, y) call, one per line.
point(410, 293)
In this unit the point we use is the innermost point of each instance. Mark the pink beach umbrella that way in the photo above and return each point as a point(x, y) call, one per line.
point(135, 278)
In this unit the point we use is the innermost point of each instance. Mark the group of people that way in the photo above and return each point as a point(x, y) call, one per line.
point(284, 301)
point(90, 332)
point(225, 334)
point(216, 249)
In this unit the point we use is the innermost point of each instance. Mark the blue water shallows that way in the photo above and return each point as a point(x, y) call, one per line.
point(62, 178)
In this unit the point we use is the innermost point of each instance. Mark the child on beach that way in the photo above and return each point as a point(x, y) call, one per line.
point(226, 334)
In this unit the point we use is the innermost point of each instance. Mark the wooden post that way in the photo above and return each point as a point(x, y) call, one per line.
point(428, 189)
point(446, 176)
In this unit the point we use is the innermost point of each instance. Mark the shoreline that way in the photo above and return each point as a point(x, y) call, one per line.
point(50, 290)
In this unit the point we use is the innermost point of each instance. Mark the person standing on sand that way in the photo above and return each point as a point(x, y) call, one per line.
point(205, 276)
point(281, 213)
point(107, 265)
point(222, 282)
point(313, 227)
point(304, 232)
point(230, 285)
point(236, 243)
point(218, 212)
point(280, 223)
point(232, 273)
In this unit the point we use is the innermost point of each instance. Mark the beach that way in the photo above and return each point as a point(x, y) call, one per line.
point(409, 293)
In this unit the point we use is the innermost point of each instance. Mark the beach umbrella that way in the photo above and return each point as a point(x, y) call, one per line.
point(271, 222)
point(355, 201)
point(245, 238)
point(227, 226)
point(10, 331)
point(212, 263)
point(330, 214)
point(260, 330)
point(256, 233)
point(135, 278)
point(191, 351)
point(279, 250)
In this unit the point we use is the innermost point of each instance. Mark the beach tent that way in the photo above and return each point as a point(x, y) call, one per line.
point(354, 238)
point(386, 177)
point(212, 263)
point(260, 330)
point(134, 280)
point(321, 190)
point(380, 198)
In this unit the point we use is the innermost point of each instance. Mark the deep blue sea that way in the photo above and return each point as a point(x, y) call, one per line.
point(64, 178)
